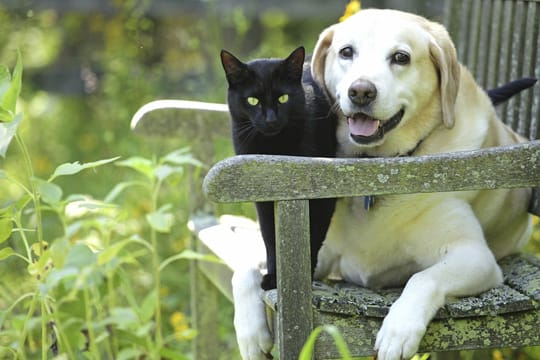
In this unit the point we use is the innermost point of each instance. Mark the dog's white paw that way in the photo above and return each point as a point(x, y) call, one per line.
point(399, 336)
point(252, 333)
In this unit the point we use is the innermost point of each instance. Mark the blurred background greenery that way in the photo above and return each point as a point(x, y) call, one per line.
point(89, 65)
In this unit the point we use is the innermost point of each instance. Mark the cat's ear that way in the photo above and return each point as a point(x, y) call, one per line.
point(235, 70)
point(294, 63)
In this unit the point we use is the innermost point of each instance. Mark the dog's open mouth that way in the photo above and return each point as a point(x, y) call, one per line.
point(365, 129)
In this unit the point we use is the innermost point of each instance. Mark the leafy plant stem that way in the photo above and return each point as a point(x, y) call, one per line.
point(111, 298)
point(64, 343)
point(35, 195)
point(18, 222)
point(156, 270)
point(24, 332)
point(90, 325)
point(44, 317)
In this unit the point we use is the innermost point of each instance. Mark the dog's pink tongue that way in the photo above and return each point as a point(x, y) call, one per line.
point(363, 126)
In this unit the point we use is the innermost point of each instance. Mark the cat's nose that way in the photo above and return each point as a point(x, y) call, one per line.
point(362, 92)
point(271, 117)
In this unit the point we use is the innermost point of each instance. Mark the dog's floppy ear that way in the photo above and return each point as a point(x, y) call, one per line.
point(319, 55)
point(443, 55)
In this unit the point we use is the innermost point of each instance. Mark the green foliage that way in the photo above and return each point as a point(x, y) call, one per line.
point(100, 216)
point(307, 350)
point(80, 301)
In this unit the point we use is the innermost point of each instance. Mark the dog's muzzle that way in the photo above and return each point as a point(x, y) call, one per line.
point(365, 129)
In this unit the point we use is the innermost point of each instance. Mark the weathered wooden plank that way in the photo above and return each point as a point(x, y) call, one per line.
point(203, 298)
point(295, 323)
point(452, 19)
point(484, 34)
point(511, 330)
point(497, 301)
point(524, 276)
point(263, 177)
point(186, 124)
point(473, 38)
point(204, 311)
point(527, 68)
point(521, 273)
point(503, 74)
point(534, 131)
point(516, 59)
point(494, 44)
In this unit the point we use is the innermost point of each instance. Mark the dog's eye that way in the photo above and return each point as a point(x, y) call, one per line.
point(283, 98)
point(401, 58)
point(252, 100)
point(346, 53)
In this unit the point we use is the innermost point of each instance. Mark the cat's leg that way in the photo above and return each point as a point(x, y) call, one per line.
point(320, 215)
point(265, 214)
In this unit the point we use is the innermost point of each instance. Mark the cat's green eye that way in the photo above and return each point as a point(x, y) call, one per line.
point(283, 98)
point(252, 101)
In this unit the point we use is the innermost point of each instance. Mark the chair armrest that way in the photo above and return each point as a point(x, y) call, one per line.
point(246, 178)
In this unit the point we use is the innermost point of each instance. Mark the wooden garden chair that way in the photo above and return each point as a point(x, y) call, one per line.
point(499, 40)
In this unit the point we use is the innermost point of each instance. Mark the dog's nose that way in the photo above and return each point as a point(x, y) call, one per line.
point(362, 92)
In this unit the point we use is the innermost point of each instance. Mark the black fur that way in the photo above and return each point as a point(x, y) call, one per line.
point(302, 126)
point(506, 91)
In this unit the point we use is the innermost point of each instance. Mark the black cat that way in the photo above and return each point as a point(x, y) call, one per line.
point(276, 108)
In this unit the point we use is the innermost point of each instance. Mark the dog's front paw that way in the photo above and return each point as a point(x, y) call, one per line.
point(252, 333)
point(399, 337)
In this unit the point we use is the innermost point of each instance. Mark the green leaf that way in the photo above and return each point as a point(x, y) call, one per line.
point(6, 227)
point(140, 164)
point(117, 190)
point(79, 206)
point(111, 252)
point(189, 255)
point(148, 306)
point(58, 275)
point(7, 133)
point(9, 100)
point(160, 221)
point(37, 247)
point(171, 354)
point(6, 252)
point(307, 350)
point(50, 193)
point(76, 167)
point(123, 317)
point(164, 171)
point(80, 256)
point(181, 157)
point(130, 353)
point(5, 80)
point(5, 115)
point(59, 252)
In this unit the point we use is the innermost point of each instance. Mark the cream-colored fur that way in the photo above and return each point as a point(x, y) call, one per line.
point(438, 245)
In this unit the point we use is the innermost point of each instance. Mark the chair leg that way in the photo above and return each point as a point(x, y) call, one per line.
point(204, 314)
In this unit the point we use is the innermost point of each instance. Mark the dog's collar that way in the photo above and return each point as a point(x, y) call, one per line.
point(369, 200)
point(408, 153)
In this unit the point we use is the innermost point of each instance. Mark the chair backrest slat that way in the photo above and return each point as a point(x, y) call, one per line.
point(495, 40)
point(499, 41)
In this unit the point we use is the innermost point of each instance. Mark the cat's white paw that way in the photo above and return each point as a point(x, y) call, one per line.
point(252, 333)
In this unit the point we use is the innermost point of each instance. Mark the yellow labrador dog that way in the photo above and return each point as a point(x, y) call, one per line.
point(396, 81)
